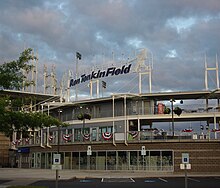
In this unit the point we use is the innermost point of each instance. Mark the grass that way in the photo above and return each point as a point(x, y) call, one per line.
point(21, 186)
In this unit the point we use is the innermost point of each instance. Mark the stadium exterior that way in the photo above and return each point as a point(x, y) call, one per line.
point(134, 132)
point(128, 132)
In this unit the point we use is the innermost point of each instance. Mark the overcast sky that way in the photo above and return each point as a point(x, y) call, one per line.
point(177, 32)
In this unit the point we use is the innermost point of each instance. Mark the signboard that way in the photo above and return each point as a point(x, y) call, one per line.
point(160, 108)
point(143, 151)
point(89, 150)
point(56, 159)
point(185, 158)
point(111, 71)
point(24, 150)
point(185, 166)
point(56, 167)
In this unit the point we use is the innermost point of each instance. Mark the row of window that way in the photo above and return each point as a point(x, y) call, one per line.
point(108, 160)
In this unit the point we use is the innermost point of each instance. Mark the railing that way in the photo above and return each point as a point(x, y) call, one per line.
point(130, 137)
point(186, 109)
point(163, 136)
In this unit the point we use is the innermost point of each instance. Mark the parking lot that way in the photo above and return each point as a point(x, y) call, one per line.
point(159, 182)
point(96, 179)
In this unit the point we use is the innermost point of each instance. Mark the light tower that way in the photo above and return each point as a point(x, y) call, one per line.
point(144, 66)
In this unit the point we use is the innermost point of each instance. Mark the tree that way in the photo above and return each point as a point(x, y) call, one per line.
point(178, 111)
point(12, 118)
point(82, 116)
point(21, 121)
point(167, 110)
point(11, 73)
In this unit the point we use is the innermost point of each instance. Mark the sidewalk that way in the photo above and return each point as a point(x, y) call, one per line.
point(18, 173)
point(43, 174)
point(19, 176)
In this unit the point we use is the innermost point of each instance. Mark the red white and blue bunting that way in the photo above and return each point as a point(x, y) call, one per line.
point(50, 138)
point(107, 135)
point(134, 134)
point(216, 130)
point(67, 137)
point(187, 130)
point(86, 136)
point(27, 140)
point(16, 142)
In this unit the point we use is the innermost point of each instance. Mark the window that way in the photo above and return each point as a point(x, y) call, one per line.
point(77, 134)
point(167, 160)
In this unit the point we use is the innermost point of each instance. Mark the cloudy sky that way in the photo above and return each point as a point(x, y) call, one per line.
point(177, 32)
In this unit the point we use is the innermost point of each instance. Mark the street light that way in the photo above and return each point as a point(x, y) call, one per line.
point(172, 100)
point(58, 145)
point(83, 116)
point(177, 111)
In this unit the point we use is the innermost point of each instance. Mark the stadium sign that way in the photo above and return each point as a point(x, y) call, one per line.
point(112, 71)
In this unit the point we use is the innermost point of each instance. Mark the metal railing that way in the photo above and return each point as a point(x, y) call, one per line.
point(130, 137)
point(186, 109)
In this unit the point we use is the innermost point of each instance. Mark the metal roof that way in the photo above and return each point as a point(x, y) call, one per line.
point(160, 96)
point(38, 96)
point(215, 94)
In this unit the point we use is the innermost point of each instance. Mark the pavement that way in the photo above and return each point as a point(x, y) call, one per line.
point(18, 176)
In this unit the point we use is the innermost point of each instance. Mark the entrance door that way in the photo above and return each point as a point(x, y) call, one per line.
point(101, 158)
point(38, 160)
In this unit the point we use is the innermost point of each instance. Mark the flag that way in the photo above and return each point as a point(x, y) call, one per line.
point(103, 84)
point(78, 55)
